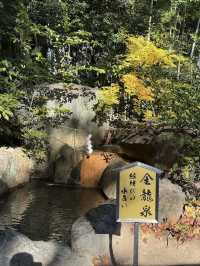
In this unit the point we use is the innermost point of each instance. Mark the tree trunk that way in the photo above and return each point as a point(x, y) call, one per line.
point(172, 31)
point(150, 21)
point(194, 42)
point(178, 70)
point(198, 62)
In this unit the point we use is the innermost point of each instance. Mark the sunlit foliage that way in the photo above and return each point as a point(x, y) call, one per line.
point(109, 95)
point(143, 53)
point(135, 87)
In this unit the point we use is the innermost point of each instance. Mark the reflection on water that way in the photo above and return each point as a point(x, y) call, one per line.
point(44, 212)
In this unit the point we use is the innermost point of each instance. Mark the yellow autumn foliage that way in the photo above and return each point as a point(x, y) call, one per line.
point(145, 54)
point(192, 211)
point(141, 54)
point(109, 95)
point(149, 115)
point(135, 86)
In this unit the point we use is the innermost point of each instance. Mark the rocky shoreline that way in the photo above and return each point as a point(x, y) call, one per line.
point(96, 238)
point(15, 169)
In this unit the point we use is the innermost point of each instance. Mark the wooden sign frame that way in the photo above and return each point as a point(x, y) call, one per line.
point(157, 174)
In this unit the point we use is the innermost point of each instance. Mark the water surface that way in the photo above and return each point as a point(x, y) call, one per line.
point(45, 212)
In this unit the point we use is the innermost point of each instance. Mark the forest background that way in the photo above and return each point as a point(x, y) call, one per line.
point(143, 55)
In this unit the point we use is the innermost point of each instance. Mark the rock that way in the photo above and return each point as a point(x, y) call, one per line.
point(155, 251)
point(171, 200)
point(15, 168)
point(66, 149)
point(79, 99)
point(145, 144)
point(90, 236)
point(109, 177)
point(16, 249)
point(112, 148)
point(93, 166)
point(197, 185)
point(141, 152)
point(40, 170)
point(154, 153)
point(103, 219)
point(94, 228)
point(87, 239)
point(64, 165)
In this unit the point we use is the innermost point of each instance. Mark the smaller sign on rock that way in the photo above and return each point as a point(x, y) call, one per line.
point(137, 193)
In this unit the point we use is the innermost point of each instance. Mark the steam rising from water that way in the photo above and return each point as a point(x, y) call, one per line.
point(76, 130)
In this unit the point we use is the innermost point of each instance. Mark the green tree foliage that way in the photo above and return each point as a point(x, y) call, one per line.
point(8, 103)
point(149, 89)
point(102, 44)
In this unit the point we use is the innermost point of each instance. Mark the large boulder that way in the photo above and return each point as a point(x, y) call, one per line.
point(98, 235)
point(64, 164)
point(156, 252)
point(154, 153)
point(16, 249)
point(92, 167)
point(79, 99)
point(171, 200)
point(109, 178)
point(90, 234)
point(66, 149)
point(15, 168)
point(151, 145)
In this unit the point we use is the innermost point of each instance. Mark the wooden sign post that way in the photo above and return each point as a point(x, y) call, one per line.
point(138, 197)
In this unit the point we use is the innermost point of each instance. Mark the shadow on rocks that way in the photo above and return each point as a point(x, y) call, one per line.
point(103, 220)
point(3, 187)
point(23, 259)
